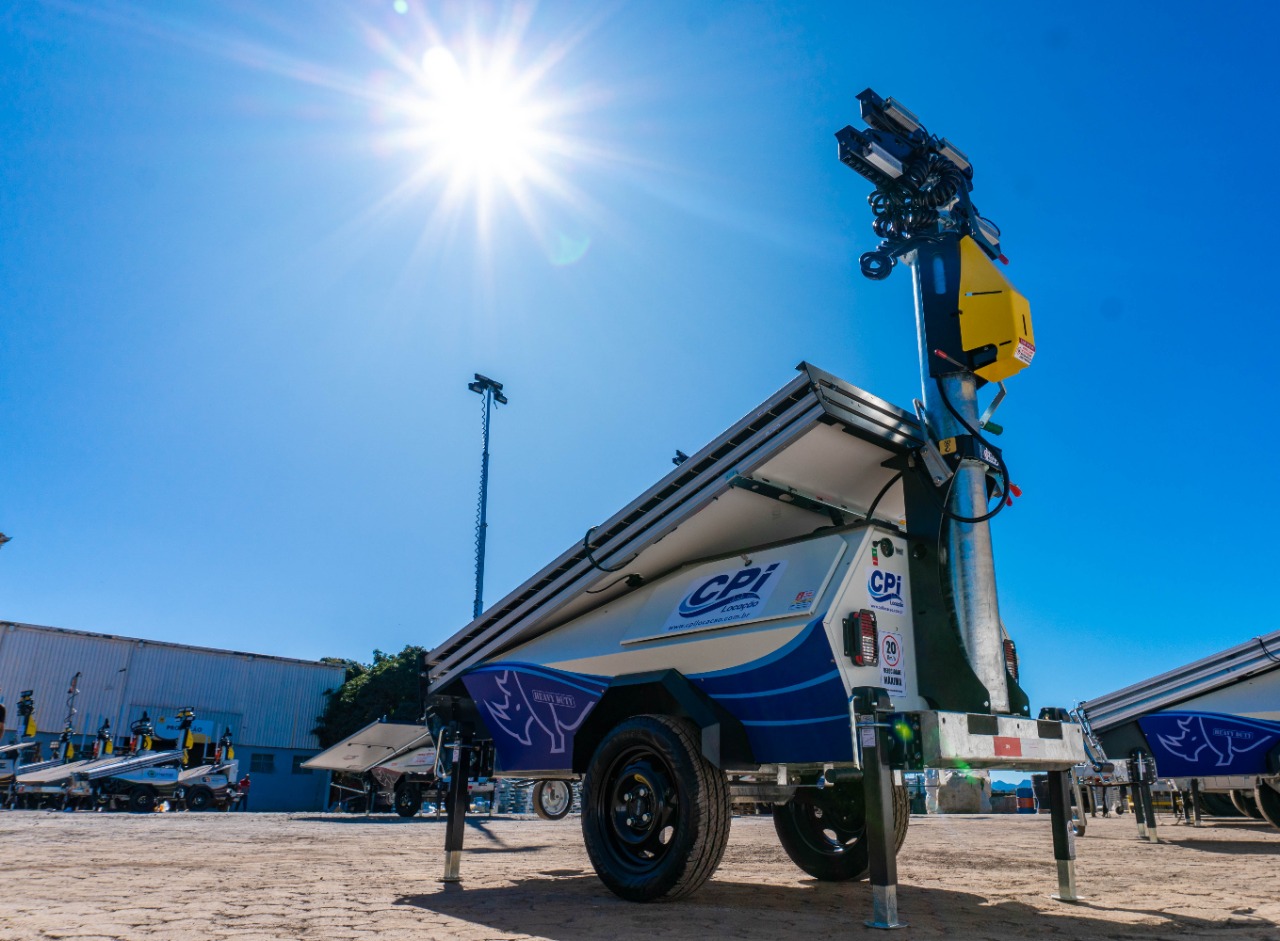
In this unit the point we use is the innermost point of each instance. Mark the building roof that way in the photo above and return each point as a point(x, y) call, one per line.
point(266, 701)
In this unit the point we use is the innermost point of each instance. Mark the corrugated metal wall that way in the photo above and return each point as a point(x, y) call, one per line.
point(269, 701)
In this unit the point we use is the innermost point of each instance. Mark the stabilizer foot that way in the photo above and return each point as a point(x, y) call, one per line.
point(452, 866)
point(884, 908)
point(1066, 881)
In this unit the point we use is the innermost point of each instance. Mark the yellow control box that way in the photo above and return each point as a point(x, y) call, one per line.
point(992, 316)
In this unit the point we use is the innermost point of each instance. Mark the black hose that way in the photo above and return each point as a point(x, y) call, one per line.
point(586, 548)
point(1004, 466)
point(880, 496)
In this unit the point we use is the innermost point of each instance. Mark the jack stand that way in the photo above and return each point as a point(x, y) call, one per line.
point(877, 788)
point(456, 821)
point(1195, 803)
point(1149, 808)
point(1144, 807)
point(1135, 792)
point(1064, 844)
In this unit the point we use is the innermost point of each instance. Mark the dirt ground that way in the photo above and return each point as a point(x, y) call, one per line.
point(252, 877)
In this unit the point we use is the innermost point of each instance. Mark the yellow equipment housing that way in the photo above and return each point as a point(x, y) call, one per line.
point(992, 314)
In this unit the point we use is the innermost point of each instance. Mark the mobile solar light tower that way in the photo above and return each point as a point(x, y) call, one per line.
point(800, 611)
point(973, 328)
point(491, 392)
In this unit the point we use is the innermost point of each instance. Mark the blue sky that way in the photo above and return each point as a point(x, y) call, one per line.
point(239, 309)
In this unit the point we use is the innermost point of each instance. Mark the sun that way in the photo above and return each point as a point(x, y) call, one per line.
point(480, 124)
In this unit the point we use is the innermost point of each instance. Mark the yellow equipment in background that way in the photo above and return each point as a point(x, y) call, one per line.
point(992, 315)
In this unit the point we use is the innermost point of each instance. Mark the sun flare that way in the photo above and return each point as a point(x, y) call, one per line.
point(480, 124)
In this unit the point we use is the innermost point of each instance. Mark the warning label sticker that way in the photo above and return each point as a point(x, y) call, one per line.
point(893, 673)
point(1025, 351)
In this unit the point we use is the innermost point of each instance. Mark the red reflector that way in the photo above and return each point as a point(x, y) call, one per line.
point(1011, 658)
point(1007, 747)
point(1003, 259)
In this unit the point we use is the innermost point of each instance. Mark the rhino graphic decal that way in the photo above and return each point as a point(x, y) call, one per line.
point(547, 710)
point(1190, 743)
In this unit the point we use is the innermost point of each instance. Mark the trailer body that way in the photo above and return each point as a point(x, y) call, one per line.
point(1214, 721)
point(756, 560)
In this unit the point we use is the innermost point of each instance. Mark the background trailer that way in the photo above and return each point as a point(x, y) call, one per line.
point(1211, 726)
point(270, 704)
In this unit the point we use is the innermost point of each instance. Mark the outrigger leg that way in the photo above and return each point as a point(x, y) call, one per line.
point(877, 787)
point(1135, 792)
point(457, 801)
point(1195, 802)
point(1064, 844)
point(1149, 808)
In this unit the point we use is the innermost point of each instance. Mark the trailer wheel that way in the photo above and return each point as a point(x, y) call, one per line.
point(1244, 802)
point(1216, 804)
point(142, 799)
point(199, 798)
point(656, 815)
point(552, 800)
point(408, 799)
point(824, 832)
point(1267, 800)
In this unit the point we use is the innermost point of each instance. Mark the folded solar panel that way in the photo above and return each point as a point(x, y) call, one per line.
point(809, 455)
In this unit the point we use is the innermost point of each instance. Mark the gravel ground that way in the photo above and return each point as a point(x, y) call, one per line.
point(253, 877)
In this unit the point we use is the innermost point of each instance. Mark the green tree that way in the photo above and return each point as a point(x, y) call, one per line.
point(386, 687)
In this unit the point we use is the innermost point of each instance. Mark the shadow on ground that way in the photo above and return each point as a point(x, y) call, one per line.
point(578, 908)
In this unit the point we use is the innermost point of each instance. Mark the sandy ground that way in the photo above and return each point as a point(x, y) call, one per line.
point(252, 877)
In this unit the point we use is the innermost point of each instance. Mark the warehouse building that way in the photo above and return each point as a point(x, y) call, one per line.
point(270, 704)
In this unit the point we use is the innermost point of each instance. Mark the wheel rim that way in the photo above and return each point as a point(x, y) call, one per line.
point(828, 826)
point(639, 812)
point(556, 797)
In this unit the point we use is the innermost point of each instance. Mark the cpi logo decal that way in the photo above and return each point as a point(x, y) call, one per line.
point(726, 597)
point(885, 591)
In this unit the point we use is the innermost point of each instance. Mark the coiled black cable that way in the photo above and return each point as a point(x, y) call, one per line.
point(1003, 493)
point(586, 549)
point(909, 206)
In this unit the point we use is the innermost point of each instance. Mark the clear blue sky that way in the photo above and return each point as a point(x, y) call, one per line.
point(241, 297)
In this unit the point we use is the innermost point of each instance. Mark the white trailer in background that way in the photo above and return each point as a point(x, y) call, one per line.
point(1211, 727)
point(391, 761)
point(66, 785)
point(140, 782)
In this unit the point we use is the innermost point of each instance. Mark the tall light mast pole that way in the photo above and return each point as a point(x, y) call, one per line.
point(490, 391)
point(973, 329)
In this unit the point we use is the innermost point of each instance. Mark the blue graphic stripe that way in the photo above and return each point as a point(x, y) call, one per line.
point(568, 679)
point(804, 656)
point(807, 684)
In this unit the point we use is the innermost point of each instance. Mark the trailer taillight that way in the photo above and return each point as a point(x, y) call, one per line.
point(1011, 658)
point(862, 638)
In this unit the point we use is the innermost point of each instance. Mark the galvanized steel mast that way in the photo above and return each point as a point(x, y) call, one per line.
point(973, 328)
point(491, 392)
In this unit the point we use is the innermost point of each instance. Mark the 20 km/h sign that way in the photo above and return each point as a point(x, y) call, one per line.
point(890, 650)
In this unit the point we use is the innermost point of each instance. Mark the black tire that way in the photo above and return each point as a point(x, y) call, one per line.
point(824, 831)
point(408, 799)
point(1218, 805)
point(552, 800)
point(656, 815)
point(1267, 800)
point(1244, 802)
point(142, 799)
point(199, 798)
